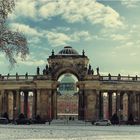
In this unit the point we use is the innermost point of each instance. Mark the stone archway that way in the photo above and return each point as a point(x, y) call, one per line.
point(68, 61)
point(46, 84)
point(67, 97)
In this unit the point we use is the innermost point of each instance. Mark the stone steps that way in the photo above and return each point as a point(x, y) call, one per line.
point(69, 122)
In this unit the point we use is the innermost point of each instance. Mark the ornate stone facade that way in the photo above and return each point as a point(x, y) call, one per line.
point(92, 87)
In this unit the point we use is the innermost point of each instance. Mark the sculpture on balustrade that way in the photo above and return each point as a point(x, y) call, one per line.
point(44, 71)
point(109, 76)
point(38, 71)
point(119, 77)
point(52, 52)
point(46, 67)
point(83, 53)
point(17, 77)
point(97, 69)
point(136, 77)
point(92, 72)
point(89, 69)
point(26, 75)
point(8, 76)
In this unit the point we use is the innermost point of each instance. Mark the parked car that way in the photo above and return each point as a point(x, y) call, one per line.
point(102, 122)
point(3, 120)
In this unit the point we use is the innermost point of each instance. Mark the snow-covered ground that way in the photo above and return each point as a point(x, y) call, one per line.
point(70, 131)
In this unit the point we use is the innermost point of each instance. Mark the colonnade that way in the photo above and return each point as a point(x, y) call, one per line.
point(28, 102)
point(93, 104)
point(122, 103)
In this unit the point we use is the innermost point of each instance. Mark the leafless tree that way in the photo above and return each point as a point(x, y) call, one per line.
point(11, 43)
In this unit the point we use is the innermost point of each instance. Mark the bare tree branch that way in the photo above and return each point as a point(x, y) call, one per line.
point(11, 43)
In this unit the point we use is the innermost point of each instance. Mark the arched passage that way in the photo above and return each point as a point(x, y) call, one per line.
point(67, 97)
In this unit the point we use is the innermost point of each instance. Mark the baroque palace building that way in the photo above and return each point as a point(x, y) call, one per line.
point(97, 96)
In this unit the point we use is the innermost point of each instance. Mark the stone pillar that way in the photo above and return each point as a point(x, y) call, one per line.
point(38, 109)
point(129, 104)
point(109, 105)
point(16, 103)
point(34, 105)
point(81, 105)
point(137, 106)
point(10, 104)
point(54, 104)
point(1, 96)
point(97, 105)
point(118, 102)
point(5, 102)
point(90, 108)
point(26, 103)
point(45, 104)
point(100, 105)
point(134, 105)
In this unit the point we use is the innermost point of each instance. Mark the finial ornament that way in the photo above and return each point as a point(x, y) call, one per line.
point(52, 52)
point(83, 53)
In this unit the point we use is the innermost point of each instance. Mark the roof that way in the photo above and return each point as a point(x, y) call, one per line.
point(68, 50)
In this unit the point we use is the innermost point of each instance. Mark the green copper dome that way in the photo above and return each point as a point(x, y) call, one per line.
point(68, 50)
point(67, 79)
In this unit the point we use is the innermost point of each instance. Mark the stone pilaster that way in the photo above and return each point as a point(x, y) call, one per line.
point(5, 101)
point(109, 104)
point(26, 103)
point(54, 104)
point(100, 105)
point(1, 96)
point(134, 105)
point(81, 105)
point(16, 103)
point(45, 104)
point(118, 102)
point(34, 105)
point(97, 105)
point(38, 109)
point(137, 106)
point(129, 103)
point(10, 104)
point(90, 108)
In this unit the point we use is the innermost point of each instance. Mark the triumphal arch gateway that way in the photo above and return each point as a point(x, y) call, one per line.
point(98, 96)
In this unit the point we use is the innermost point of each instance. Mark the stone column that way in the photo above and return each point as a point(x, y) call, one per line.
point(134, 105)
point(54, 104)
point(10, 104)
point(118, 102)
point(129, 103)
point(100, 105)
point(16, 103)
point(45, 101)
point(26, 103)
point(109, 104)
point(1, 96)
point(5, 102)
point(97, 105)
point(34, 105)
point(90, 108)
point(81, 105)
point(137, 106)
point(38, 110)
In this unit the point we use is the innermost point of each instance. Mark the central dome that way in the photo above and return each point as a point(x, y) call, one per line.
point(68, 50)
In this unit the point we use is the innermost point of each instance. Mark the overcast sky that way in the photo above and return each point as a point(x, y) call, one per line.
point(108, 31)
